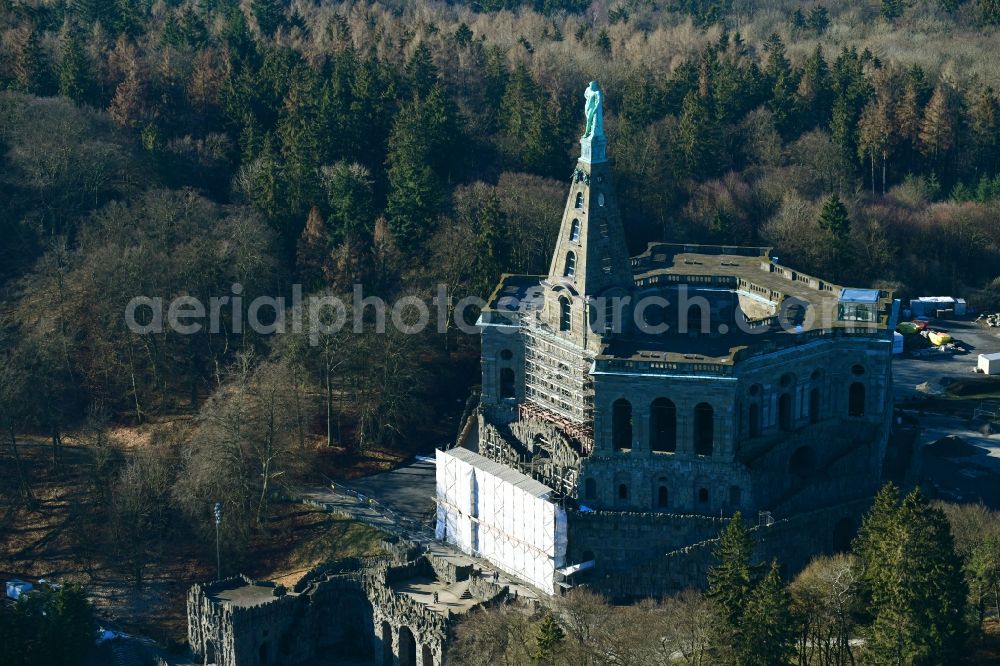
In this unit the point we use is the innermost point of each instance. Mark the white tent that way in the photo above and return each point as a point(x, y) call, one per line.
point(492, 511)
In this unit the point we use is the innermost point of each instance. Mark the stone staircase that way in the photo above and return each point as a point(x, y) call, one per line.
point(459, 589)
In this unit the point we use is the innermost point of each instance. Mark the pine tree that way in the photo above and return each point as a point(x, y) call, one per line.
point(783, 83)
point(350, 196)
point(421, 72)
point(488, 245)
point(549, 641)
point(72, 67)
point(31, 72)
point(893, 9)
point(836, 222)
point(296, 130)
point(937, 131)
point(699, 142)
point(270, 15)
point(415, 191)
point(768, 632)
point(913, 583)
point(731, 580)
point(813, 97)
point(985, 132)
point(819, 19)
point(463, 35)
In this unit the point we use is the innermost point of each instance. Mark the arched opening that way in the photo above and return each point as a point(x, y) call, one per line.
point(570, 269)
point(662, 497)
point(843, 534)
point(565, 314)
point(857, 369)
point(407, 647)
point(507, 383)
point(621, 425)
point(600, 198)
point(735, 497)
point(590, 489)
point(856, 399)
point(754, 424)
point(803, 462)
point(574, 230)
point(262, 654)
point(622, 492)
point(663, 426)
point(785, 411)
point(704, 429)
point(386, 644)
point(703, 496)
point(579, 200)
point(814, 406)
point(426, 656)
point(506, 354)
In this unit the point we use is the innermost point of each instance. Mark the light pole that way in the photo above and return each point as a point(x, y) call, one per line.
point(218, 521)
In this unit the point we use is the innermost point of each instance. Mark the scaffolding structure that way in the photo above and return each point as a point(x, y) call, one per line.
point(489, 510)
point(557, 375)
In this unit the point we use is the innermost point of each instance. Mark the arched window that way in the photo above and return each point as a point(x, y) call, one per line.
point(506, 355)
point(703, 495)
point(814, 406)
point(785, 412)
point(565, 321)
point(600, 199)
point(754, 420)
point(507, 383)
point(663, 426)
point(570, 269)
point(662, 495)
point(574, 230)
point(621, 425)
point(704, 429)
point(579, 200)
point(623, 492)
point(590, 489)
point(857, 369)
point(856, 399)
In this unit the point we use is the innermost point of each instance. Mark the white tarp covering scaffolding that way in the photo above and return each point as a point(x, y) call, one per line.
point(492, 511)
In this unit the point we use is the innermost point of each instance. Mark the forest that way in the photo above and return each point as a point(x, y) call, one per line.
point(181, 147)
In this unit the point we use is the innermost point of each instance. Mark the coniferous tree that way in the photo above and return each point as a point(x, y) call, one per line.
point(549, 642)
point(270, 15)
point(985, 131)
point(31, 73)
point(835, 221)
point(72, 67)
point(782, 80)
point(415, 191)
point(767, 630)
point(421, 72)
point(874, 131)
point(912, 581)
point(731, 580)
point(698, 140)
point(350, 197)
point(938, 130)
point(813, 96)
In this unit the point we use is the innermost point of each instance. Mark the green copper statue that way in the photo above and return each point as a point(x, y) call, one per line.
point(593, 111)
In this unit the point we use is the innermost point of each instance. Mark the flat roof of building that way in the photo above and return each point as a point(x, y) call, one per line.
point(508, 474)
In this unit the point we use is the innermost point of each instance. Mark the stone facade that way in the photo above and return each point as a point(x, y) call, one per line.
point(660, 393)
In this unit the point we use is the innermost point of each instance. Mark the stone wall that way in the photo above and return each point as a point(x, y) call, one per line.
point(346, 608)
point(792, 541)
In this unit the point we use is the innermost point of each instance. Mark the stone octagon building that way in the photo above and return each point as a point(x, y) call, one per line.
point(658, 394)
